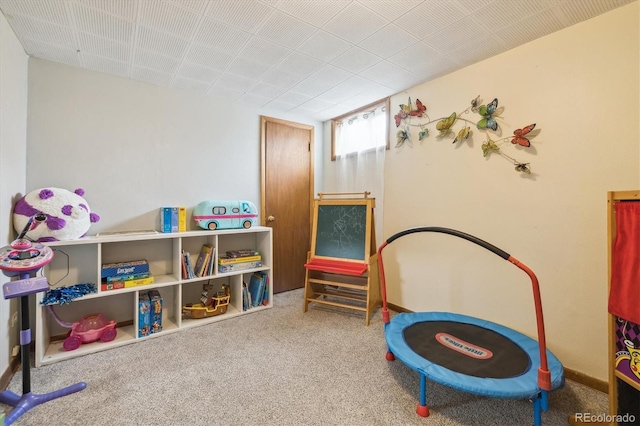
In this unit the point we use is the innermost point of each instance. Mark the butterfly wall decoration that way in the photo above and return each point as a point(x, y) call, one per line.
point(488, 121)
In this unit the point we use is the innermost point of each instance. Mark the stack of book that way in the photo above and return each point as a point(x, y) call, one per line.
point(255, 293)
point(173, 219)
point(239, 260)
point(125, 274)
point(203, 265)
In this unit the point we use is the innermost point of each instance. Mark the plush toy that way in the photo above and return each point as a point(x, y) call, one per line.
point(68, 214)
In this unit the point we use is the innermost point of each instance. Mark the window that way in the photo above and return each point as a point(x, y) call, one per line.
point(362, 130)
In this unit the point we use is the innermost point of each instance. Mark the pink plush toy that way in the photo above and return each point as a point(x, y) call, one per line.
point(68, 214)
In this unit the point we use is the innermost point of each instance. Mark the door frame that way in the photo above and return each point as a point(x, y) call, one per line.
point(263, 164)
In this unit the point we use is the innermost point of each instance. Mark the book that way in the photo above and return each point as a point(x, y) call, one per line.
point(174, 219)
point(203, 260)
point(256, 289)
point(188, 265)
point(126, 284)
point(212, 262)
point(165, 219)
point(242, 253)
point(182, 219)
point(265, 297)
point(240, 266)
point(226, 260)
point(245, 297)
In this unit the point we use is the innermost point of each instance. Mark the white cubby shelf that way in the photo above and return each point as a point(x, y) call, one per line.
point(80, 262)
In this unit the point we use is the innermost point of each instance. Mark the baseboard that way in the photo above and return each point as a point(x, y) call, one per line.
point(5, 379)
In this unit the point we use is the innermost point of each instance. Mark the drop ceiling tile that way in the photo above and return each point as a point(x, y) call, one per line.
point(222, 37)
point(109, 48)
point(356, 60)
point(247, 68)
point(391, 9)
point(234, 82)
point(263, 51)
point(529, 29)
point(456, 34)
point(105, 65)
point(281, 78)
point(247, 15)
point(198, 72)
point(44, 31)
point(155, 61)
point(387, 41)
point(52, 52)
point(190, 84)
point(168, 17)
point(324, 46)
point(293, 98)
point(311, 87)
point(300, 65)
point(331, 75)
point(121, 8)
point(476, 50)
point(151, 76)
point(198, 6)
point(102, 24)
point(209, 57)
point(50, 11)
point(316, 104)
point(470, 6)
point(382, 71)
point(404, 80)
point(429, 17)
point(355, 23)
point(574, 12)
point(160, 42)
point(300, 110)
point(317, 13)
point(503, 13)
point(335, 95)
point(286, 30)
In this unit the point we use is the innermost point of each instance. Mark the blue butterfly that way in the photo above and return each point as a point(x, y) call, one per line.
point(486, 111)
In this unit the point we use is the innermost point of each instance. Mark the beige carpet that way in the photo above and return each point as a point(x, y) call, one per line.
point(275, 367)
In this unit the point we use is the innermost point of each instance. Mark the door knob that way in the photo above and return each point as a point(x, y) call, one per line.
point(271, 219)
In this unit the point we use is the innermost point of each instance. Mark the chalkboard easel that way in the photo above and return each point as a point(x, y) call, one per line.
point(342, 262)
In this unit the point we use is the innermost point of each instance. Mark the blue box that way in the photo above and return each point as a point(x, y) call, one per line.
point(165, 219)
point(144, 314)
point(155, 311)
point(135, 267)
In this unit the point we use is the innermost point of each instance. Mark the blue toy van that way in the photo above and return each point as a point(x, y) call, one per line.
point(225, 214)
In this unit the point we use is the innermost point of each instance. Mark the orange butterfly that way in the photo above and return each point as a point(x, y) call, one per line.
point(420, 108)
point(519, 135)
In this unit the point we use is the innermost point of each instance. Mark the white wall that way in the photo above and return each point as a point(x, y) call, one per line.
point(13, 135)
point(135, 147)
point(581, 87)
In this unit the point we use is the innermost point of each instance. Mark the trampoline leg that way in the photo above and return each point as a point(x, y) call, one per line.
point(422, 409)
point(537, 412)
point(545, 400)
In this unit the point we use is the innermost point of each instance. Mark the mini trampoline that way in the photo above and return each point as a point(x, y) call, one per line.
point(471, 354)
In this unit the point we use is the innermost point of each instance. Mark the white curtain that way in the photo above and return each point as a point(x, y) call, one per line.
point(363, 170)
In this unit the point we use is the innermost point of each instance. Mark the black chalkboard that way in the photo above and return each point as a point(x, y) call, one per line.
point(341, 230)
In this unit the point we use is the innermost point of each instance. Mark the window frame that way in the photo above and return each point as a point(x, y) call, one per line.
point(334, 124)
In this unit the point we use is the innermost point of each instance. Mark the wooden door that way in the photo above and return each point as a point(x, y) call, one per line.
point(287, 195)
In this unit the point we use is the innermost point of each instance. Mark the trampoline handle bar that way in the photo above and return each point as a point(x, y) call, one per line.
point(544, 375)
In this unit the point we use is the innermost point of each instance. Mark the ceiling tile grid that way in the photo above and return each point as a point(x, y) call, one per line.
point(318, 58)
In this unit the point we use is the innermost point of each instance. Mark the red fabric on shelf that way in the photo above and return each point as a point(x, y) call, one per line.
point(337, 266)
point(624, 293)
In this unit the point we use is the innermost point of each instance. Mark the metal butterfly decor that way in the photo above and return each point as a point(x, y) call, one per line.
point(489, 116)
